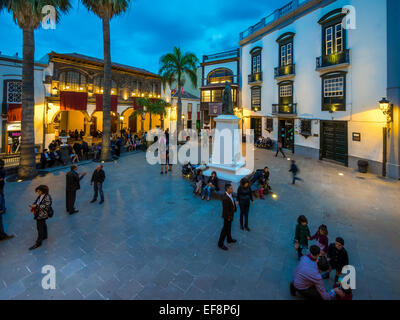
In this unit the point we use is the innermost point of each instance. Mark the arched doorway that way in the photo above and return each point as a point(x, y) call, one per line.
point(130, 122)
point(96, 127)
point(71, 123)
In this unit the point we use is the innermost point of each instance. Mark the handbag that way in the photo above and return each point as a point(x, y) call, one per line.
point(50, 212)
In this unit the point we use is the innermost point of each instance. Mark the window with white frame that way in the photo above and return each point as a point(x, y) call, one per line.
point(256, 62)
point(334, 39)
point(286, 54)
point(14, 92)
point(286, 90)
point(334, 92)
point(334, 87)
point(189, 107)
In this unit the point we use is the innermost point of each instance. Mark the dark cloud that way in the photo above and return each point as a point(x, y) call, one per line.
point(147, 30)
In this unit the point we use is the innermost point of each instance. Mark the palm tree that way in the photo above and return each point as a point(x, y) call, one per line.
point(106, 10)
point(160, 108)
point(141, 112)
point(174, 67)
point(27, 14)
point(152, 106)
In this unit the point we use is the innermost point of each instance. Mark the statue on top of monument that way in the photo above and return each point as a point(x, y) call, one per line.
point(227, 103)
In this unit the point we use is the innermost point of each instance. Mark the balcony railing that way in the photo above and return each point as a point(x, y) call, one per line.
point(285, 70)
point(255, 77)
point(274, 16)
point(284, 108)
point(222, 55)
point(333, 59)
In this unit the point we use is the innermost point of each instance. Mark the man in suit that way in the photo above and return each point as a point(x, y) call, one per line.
point(98, 178)
point(228, 209)
point(73, 184)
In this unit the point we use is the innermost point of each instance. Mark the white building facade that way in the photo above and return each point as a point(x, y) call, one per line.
point(312, 74)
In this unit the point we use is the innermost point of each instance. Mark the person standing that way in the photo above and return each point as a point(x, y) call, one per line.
point(279, 149)
point(41, 210)
point(85, 150)
point(73, 184)
point(244, 196)
point(302, 235)
point(3, 235)
point(98, 178)
point(228, 210)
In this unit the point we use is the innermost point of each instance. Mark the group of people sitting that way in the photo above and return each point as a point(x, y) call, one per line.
point(318, 263)
point(259, 183)
point(265, 143)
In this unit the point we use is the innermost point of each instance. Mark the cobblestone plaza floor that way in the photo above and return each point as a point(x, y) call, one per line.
point(152, 239)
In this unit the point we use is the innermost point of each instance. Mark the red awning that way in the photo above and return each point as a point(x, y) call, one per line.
point(14, 112)
point(99, 102)
point(189, 116)
point(73, 101)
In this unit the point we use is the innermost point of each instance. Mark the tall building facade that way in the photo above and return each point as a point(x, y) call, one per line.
point(313, 73)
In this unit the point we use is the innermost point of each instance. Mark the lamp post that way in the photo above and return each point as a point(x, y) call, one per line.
point(387, 110)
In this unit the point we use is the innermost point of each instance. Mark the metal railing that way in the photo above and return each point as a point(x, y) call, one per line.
point(284, 108)
point(225, 54)
point(333, 59)
point(255, 77)
point(12, 160)
point(285, 70)
point(274, 16)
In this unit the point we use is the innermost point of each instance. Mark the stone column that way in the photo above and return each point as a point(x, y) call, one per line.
point(393, 89)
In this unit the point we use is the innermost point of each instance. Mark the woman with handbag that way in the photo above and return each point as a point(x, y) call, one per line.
point(41, 210)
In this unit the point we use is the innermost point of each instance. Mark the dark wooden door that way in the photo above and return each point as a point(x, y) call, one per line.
point(256, 126)
point(334, 141)
point(286, 134)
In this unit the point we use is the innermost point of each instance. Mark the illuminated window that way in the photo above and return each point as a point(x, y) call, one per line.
point(334, 91)
point(206, 96)
point(189, 107)
point(256, 62)
point(72, 81)
point(285, 91)
point(334, 87)
point(14, 92)
point(220, 76)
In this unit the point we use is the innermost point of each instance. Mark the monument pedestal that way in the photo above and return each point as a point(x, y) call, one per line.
point(227, 159)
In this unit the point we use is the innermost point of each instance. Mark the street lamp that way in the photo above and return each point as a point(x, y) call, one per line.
point(387, 110)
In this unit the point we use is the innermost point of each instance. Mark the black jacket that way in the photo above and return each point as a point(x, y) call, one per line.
point(73, 181)
point(228, 207)
point(213, 181)
point(293, 168)
point(337, 258)
point(98, 176)
point(244, 195)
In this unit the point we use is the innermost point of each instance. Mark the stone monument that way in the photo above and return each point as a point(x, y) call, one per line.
point(227, 159)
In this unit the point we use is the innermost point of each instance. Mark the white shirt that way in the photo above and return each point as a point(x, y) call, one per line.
point(230, 198)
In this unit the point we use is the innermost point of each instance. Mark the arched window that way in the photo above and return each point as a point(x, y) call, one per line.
point(72, 81)
point(99, 85)
point(220, 75)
